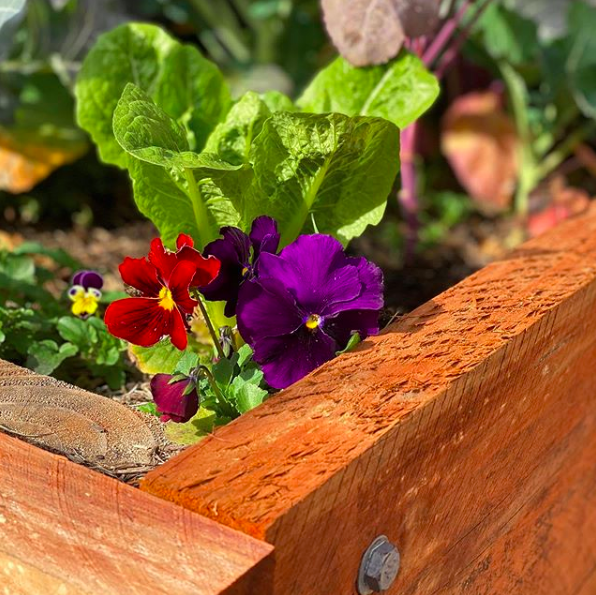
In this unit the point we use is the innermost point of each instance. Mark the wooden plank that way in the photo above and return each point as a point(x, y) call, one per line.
point(465, 433)
point(67, 530)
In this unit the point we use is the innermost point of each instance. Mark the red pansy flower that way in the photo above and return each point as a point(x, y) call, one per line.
point(163, 280)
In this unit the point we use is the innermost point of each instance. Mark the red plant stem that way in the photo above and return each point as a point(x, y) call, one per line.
point(408, 196)
point(444, 35)
point(453, 51)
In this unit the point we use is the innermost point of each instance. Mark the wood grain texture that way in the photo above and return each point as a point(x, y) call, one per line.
point(67, 530)
point(465, 432)
point(85, 427)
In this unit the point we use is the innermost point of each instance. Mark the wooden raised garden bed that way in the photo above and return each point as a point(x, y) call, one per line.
point(466, 433)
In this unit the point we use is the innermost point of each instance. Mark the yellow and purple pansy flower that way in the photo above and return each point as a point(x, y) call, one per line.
point(85, 293)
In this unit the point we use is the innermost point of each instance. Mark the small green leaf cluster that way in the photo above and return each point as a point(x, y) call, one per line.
point(226, 389)
point(36, 331)
point(199, 160)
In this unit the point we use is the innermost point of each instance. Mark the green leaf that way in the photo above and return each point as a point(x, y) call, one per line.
point(340, 169)
point(162, 358)
point(400, 91)
point(193, 91)
point(163, 195)
point(18, 268)
point(185, 85)
point(45, 356)
point(190, 192)
point(223, 371)
point(187, 363)
point(192, 431)
point(244, 355)
point(148, 408)
point(276, 101)
point(129, 53)
point(77, 331)
point(247, 395)
point(232, 139)
point(581, 61)
point(353, 341)
point(508, 35)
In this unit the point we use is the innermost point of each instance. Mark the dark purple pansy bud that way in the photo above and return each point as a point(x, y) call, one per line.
point(88, 279)
point(176, 401)
point(239, 254)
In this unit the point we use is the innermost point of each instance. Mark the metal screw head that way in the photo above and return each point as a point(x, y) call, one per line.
point(379, 567)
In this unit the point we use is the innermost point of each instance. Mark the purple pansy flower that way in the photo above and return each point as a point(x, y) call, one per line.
point(304, 305)
point(170, 398)
point(237, 261)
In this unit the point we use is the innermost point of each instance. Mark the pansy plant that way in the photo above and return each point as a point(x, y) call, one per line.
point(295, 309)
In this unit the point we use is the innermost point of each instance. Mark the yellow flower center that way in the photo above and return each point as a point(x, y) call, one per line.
point(245, 271)
point(166, 301)
point(313, 322)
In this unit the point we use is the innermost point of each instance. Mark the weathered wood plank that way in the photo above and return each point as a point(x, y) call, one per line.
point(67, 530)
point(465, 433)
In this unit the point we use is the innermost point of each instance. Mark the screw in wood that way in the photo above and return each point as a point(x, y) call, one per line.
point(379, 567)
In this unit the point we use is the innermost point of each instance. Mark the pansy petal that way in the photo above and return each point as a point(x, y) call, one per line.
point(340, 285)
point(140, 274)
point(342, 325)
point(264, 236)
point(184, 240)
point(287, 359)
point(88, 279)
point(227, 283)
point(179, 283)
point(140, 321)
point(177, 330)
point(266, 309)
point(171, 401)
point(163, 260)
point(206, 269)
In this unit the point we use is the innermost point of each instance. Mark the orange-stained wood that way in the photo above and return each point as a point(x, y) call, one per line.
point(466, 433)
point(66, 530)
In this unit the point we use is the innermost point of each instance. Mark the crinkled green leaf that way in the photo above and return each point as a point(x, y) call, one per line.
point(162, 195)
point(193, 91)
point(232, 139)
point(179, 190)
point(185, 85)
point(340, 169)
point(146, 132)
point(45, 356)
point(400, 91)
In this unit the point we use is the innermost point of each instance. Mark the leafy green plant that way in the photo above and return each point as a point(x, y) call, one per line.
point(199, 162)
point(550, 81)
point(36, 331)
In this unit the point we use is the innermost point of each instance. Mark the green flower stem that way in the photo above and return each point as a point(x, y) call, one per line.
point(210, 327)
point(527, 179)
point(198, 207)
point(227, 409)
